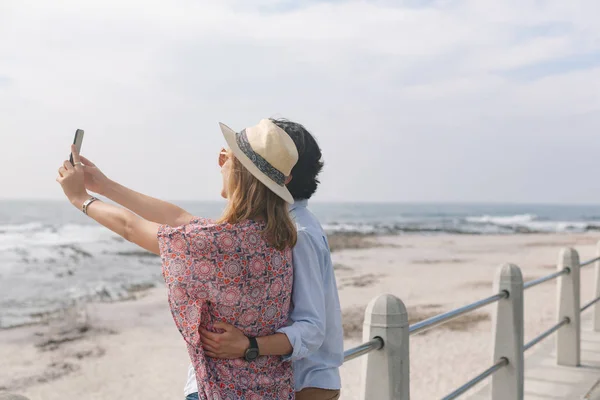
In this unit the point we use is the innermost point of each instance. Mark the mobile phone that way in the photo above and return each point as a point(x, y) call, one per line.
point(77, 140)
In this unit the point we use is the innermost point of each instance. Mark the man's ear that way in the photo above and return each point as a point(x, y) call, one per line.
point(288, 179)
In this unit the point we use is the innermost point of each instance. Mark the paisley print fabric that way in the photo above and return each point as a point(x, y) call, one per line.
point(223, 272)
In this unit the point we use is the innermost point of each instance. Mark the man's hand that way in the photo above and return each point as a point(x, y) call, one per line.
point(230, 344)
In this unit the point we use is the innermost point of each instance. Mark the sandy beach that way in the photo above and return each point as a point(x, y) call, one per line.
point(131, 350)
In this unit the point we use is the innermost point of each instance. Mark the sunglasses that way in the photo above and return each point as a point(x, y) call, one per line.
point(223, 157)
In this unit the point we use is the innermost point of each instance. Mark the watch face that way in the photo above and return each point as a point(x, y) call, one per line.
point(251, 354)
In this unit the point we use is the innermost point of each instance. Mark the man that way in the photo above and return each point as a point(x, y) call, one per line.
point(313, 340)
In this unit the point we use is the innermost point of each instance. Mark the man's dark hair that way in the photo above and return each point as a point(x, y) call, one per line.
point(306, 171)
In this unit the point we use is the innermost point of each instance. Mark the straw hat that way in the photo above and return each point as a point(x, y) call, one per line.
point(267, 151)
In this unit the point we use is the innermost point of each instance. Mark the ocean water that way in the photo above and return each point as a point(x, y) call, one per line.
point(52, 256)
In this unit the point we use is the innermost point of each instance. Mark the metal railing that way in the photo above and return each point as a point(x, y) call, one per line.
point(591, 303)
point(450, 315)
point(589, 262)
point(535, 282)
point(502, 362)
point(355, 352)
point(547, 333)
point(378, 343)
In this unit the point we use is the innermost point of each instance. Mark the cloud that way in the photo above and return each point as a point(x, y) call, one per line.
point(557, 66)
point(383, 80)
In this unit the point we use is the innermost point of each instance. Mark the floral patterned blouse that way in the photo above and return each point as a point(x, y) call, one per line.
point(224, 272)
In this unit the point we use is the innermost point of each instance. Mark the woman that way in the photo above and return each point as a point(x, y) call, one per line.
point(236, 270)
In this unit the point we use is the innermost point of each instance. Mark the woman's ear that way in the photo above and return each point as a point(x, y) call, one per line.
point(288, 179)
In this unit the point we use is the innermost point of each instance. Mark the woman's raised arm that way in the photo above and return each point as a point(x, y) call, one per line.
point(119, 220)
point(147, 207)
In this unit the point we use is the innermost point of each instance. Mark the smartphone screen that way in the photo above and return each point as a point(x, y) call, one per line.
point(77, 140)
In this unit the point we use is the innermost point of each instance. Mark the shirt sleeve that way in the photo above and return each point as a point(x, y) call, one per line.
point(307, 331)
point(177, 268)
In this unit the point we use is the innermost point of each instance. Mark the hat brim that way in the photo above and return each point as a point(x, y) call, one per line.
point(280, 191)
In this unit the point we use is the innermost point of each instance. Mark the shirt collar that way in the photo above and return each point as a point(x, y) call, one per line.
point(298, 204)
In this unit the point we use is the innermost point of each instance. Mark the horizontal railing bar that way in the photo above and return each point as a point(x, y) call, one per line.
point(543, 279)
point(544, 335)
point(499, 364)
point(442, 318)
point(355, 352)
point(591, 303)
point(585, 264)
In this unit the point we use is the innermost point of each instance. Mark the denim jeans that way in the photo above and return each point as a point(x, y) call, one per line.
point(192, 396)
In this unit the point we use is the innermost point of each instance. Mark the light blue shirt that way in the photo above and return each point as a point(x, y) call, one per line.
point(315, 329)
point(315, 332)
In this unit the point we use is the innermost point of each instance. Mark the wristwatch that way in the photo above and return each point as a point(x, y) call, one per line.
point(87, 203)
point(252, 351)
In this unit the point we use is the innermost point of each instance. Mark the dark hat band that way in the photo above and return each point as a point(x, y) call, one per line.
point(263, 165)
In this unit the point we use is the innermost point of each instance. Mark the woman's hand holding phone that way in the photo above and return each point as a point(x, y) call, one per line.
point(71, 177)
point(94, 179)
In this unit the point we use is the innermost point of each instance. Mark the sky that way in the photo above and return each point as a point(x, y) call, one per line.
point(411, 101)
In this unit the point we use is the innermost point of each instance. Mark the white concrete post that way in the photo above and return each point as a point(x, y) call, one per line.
point(507, 325)
point(597, 292)
point(385, 373)
point(568, 337)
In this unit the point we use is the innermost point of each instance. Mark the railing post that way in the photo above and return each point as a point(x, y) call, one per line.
point(507, 325)
point(597, 292)
point(568, 338)
point(385, 373)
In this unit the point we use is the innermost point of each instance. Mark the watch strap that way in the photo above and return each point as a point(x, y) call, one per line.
point(253, 343)
point(252, 352)
point(87, 203)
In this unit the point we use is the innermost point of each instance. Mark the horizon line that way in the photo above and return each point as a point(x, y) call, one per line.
point(365, 202)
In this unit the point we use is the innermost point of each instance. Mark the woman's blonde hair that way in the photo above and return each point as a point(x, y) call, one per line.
point(250, 199)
